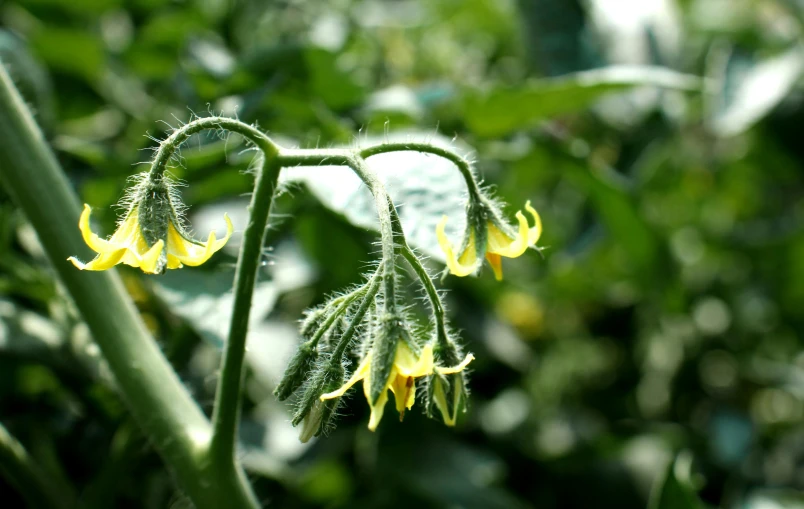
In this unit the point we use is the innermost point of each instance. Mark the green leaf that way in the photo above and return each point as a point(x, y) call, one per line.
point(424, 188)
point(673, 491)
point(204, 298)
point(330, 82)
point(617, 208)
point(750, 88)
point(504, 110)
point(58, 47)
point(774, 499)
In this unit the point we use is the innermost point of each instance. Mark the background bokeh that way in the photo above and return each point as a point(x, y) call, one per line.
point(659, 139)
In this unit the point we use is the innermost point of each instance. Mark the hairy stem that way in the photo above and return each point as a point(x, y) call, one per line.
point(372, 288)
point(226, 415)
point(461, 163)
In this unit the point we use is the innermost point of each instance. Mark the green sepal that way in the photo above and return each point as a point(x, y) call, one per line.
point(297, 371)
point(383, 352)
point(453, 385)
point(326, 379)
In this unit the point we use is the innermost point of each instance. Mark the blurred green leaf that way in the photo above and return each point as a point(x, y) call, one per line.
point(673, 492)
point(71, 51)
point(504, 110)
point(774, 499)
point(330, 81)
point(204, 299)
point(618, 211)
point(750, 88)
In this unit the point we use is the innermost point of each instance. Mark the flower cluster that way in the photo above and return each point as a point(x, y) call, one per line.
point(391, 354)
point(152, 235)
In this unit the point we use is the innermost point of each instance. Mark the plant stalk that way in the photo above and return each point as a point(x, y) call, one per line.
point(151, 389)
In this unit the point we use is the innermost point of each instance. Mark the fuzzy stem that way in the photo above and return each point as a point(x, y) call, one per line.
point(169, 146)
point(461, 163)
point(343, 304)
point(226, 415)
point(343, 157)
point(368, 299)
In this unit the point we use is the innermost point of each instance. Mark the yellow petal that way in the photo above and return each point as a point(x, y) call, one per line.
point(192, 254)
point(101, 262)
point(496, 265)
point(404, 389)
point(96, 243)
point(360, 373)
point(503, 245)
point(151, 257)
point(455, 369)
point(464, 265)
point(536, 231)
point(377, 409)
point(408, 364)
point(173, 262)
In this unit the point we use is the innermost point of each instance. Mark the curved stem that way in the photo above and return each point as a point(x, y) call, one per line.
point(461, 163)
point(169, 146)
point(352, 159)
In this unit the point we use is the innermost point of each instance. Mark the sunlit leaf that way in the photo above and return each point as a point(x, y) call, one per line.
point(751, 88)
point(424, 188)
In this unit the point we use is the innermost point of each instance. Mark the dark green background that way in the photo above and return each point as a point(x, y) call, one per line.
point(663, 321)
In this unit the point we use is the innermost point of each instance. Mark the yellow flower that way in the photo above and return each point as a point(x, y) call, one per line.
point(128, 245)
point(407, 367)
point(499, 243)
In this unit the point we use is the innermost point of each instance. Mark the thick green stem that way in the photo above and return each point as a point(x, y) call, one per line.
point(227, 400)
point(33, 483)
point(156, 397)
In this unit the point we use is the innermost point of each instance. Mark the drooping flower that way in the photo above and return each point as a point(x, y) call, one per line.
point(501, 240)
point(407, 367)
point(150, 237)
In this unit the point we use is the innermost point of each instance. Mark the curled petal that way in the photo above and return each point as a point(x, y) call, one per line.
point(360, 373)
point(150, 259)
point(461, 266)
point(456, 369)
point(98, 244)
point(536, 231)
point(101, 262)
point(182, 251)
point(501, 244)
